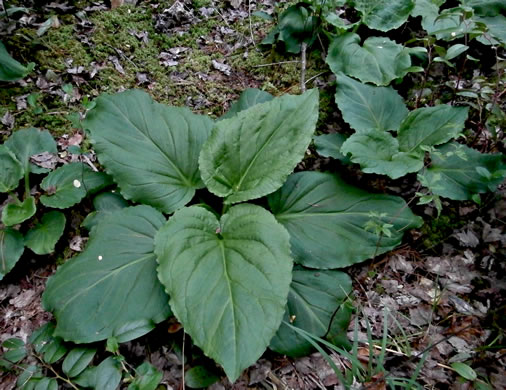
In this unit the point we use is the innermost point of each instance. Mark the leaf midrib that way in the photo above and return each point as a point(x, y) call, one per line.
point(231, 296)
point(255, 157)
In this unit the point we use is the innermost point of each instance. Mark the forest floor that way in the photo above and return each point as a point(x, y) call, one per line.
point(442, 292)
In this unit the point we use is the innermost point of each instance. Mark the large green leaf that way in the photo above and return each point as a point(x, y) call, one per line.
point(486, 7)
point(327, 219)
point(228, 280)
point(27, 142)
point(10, 69)
point(150, 149)
point(313, 299)
point(496, 28)
point(378, 152)
point(366, 107)
point(251, 154)
point(337, 19)
point(18, 212)
point(11, 249)
point(11, 172)
point(43, 237)
point(430, 126)
point(329, 145)
point(379, 60)
point(111, 288)
point(435, 24)
point(249, 98)
point(384, 15)
point(105, 204)
point(70, 183)
point(458, 172)
point(296, 26)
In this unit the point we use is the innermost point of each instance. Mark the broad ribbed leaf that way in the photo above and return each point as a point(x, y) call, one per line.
point(337, 20)
point(378, 152)
point(105, 204)
point(329, 145)
point(43, 237)
point(251, 154)
point(70, 183)
point(14, 213)
point(111, 288)
point(430, 126)
point(10, 69)
point(366, 107)
point(384, 15)
point(431, 20)
point(486, 7)
point(11, 171)
point(228, 280)
point(313, 299)
point(326, 219)
point(150, 149)
point(379, 60)
point(496, 28)
point(296, 25)
point(249, 98)
point(27, 142)
point(458, 172)
point(11, 249)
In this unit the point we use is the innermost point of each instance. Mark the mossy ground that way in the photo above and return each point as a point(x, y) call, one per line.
point(106, 34)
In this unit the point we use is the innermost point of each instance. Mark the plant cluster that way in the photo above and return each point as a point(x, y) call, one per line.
point(26, 153)
point(227, 269)
point(76, 369)
point(389, 139)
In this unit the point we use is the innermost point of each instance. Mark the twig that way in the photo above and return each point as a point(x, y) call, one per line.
point(121, 54)
point(219, 13)
point(399, 353)
point(303, 67)
point(88, 161)
point(276, 63)
point(250, 25)
point(315, 76)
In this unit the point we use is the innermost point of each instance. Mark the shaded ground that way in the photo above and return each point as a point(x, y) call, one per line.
point(442, 292)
